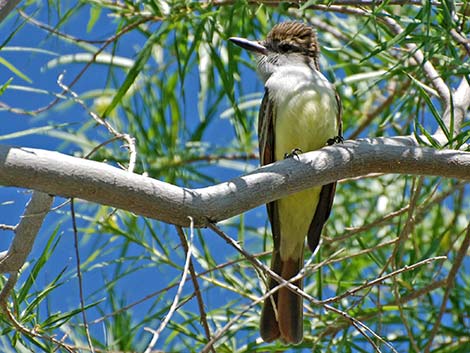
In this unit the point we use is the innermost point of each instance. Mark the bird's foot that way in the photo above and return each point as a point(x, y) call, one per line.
point(335, 140)
point(294, 153)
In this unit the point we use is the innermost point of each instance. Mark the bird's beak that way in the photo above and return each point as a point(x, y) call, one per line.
point(250, 45)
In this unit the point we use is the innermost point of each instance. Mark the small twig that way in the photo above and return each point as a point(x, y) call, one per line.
point(174, 305)
point(363, 251)
point(255, 302)
point(197, 291)
point(130, 141)
point(7, 227)
point(449, 285)
point(361, 327)
point(26, 232)
point(428, 68)
point(422, 211)
point(370, 116)
point(378, 280)
point(378, 222)
point(79, 276)
point(6, 6)
point(409, 224)
point(221, 332)
point(104, 143)
point(27, 332)
point(107, 42)
point(7, 288)
point(57, 32)
point(418, 293)
point(154, 294)
point(404, 234)
point(404, 320)
point(459, 38)
point(319, 24)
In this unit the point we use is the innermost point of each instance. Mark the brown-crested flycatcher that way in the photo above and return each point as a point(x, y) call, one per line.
point(300, 111)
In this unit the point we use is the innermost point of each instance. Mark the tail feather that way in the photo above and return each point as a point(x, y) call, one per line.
point(290, 309)
point(269, 327)
point(282, 314)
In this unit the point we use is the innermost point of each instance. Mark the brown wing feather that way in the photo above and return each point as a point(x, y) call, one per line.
point(266, 152)
point(269, 327)
point(327, 195)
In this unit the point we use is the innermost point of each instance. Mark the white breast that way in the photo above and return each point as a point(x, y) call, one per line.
point(306, 111)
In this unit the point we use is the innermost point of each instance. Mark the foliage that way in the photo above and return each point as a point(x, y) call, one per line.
point(164, 73)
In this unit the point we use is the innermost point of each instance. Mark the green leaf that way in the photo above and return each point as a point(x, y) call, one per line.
point(432, 108)
point(58, 319)
point(13, 69)
point(5, 85)
point(32, 131)
point(95, 12)
point(40, 263)
point(135, 70)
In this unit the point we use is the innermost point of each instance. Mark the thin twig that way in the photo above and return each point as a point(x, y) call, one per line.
point(378, 280)
point(197, 291)
point(361, 327)
point(449, 286)
point(8, 287)
point(408, 226)
point(428, 68)
point(460, 39)
point(418, 293)
point(371, 115)
point(154, 294)
point(378, 222)
point(363, 251)
point(25, 232)
point(102, 144)
point(404, 234)
point(57, 32)
point(79, 276)
point(108, 41)
point(130, 141)
point(33, 333)
point(6, 6)
point(174, 305)
point(221, 332)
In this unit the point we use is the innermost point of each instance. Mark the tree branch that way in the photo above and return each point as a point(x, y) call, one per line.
point(59, 174)
point(7, 6)
point(25, 233)
point(461, 103)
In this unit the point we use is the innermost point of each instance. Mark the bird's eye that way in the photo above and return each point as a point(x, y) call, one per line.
point(285, 47)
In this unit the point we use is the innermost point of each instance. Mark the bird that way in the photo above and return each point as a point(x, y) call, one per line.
point(300, 111)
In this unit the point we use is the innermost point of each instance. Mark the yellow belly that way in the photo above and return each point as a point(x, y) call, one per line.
point(306, 121)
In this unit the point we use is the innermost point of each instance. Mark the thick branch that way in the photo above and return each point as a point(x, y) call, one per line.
point(6, 6)
point(25, 232)
point(67, 176)
point(461, 102)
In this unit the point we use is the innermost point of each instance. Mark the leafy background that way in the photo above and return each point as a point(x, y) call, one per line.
point(164, 73)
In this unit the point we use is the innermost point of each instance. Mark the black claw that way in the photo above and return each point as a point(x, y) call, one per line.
point(294, 153)
point(335, 140)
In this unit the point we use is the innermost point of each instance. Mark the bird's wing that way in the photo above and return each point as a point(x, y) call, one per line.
point(327, 195)
point(266, 151)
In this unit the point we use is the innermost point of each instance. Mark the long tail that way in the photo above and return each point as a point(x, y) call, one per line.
point(282, 315)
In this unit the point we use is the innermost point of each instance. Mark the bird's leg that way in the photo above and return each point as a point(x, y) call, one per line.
point(335, 140)
point(294, 153)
